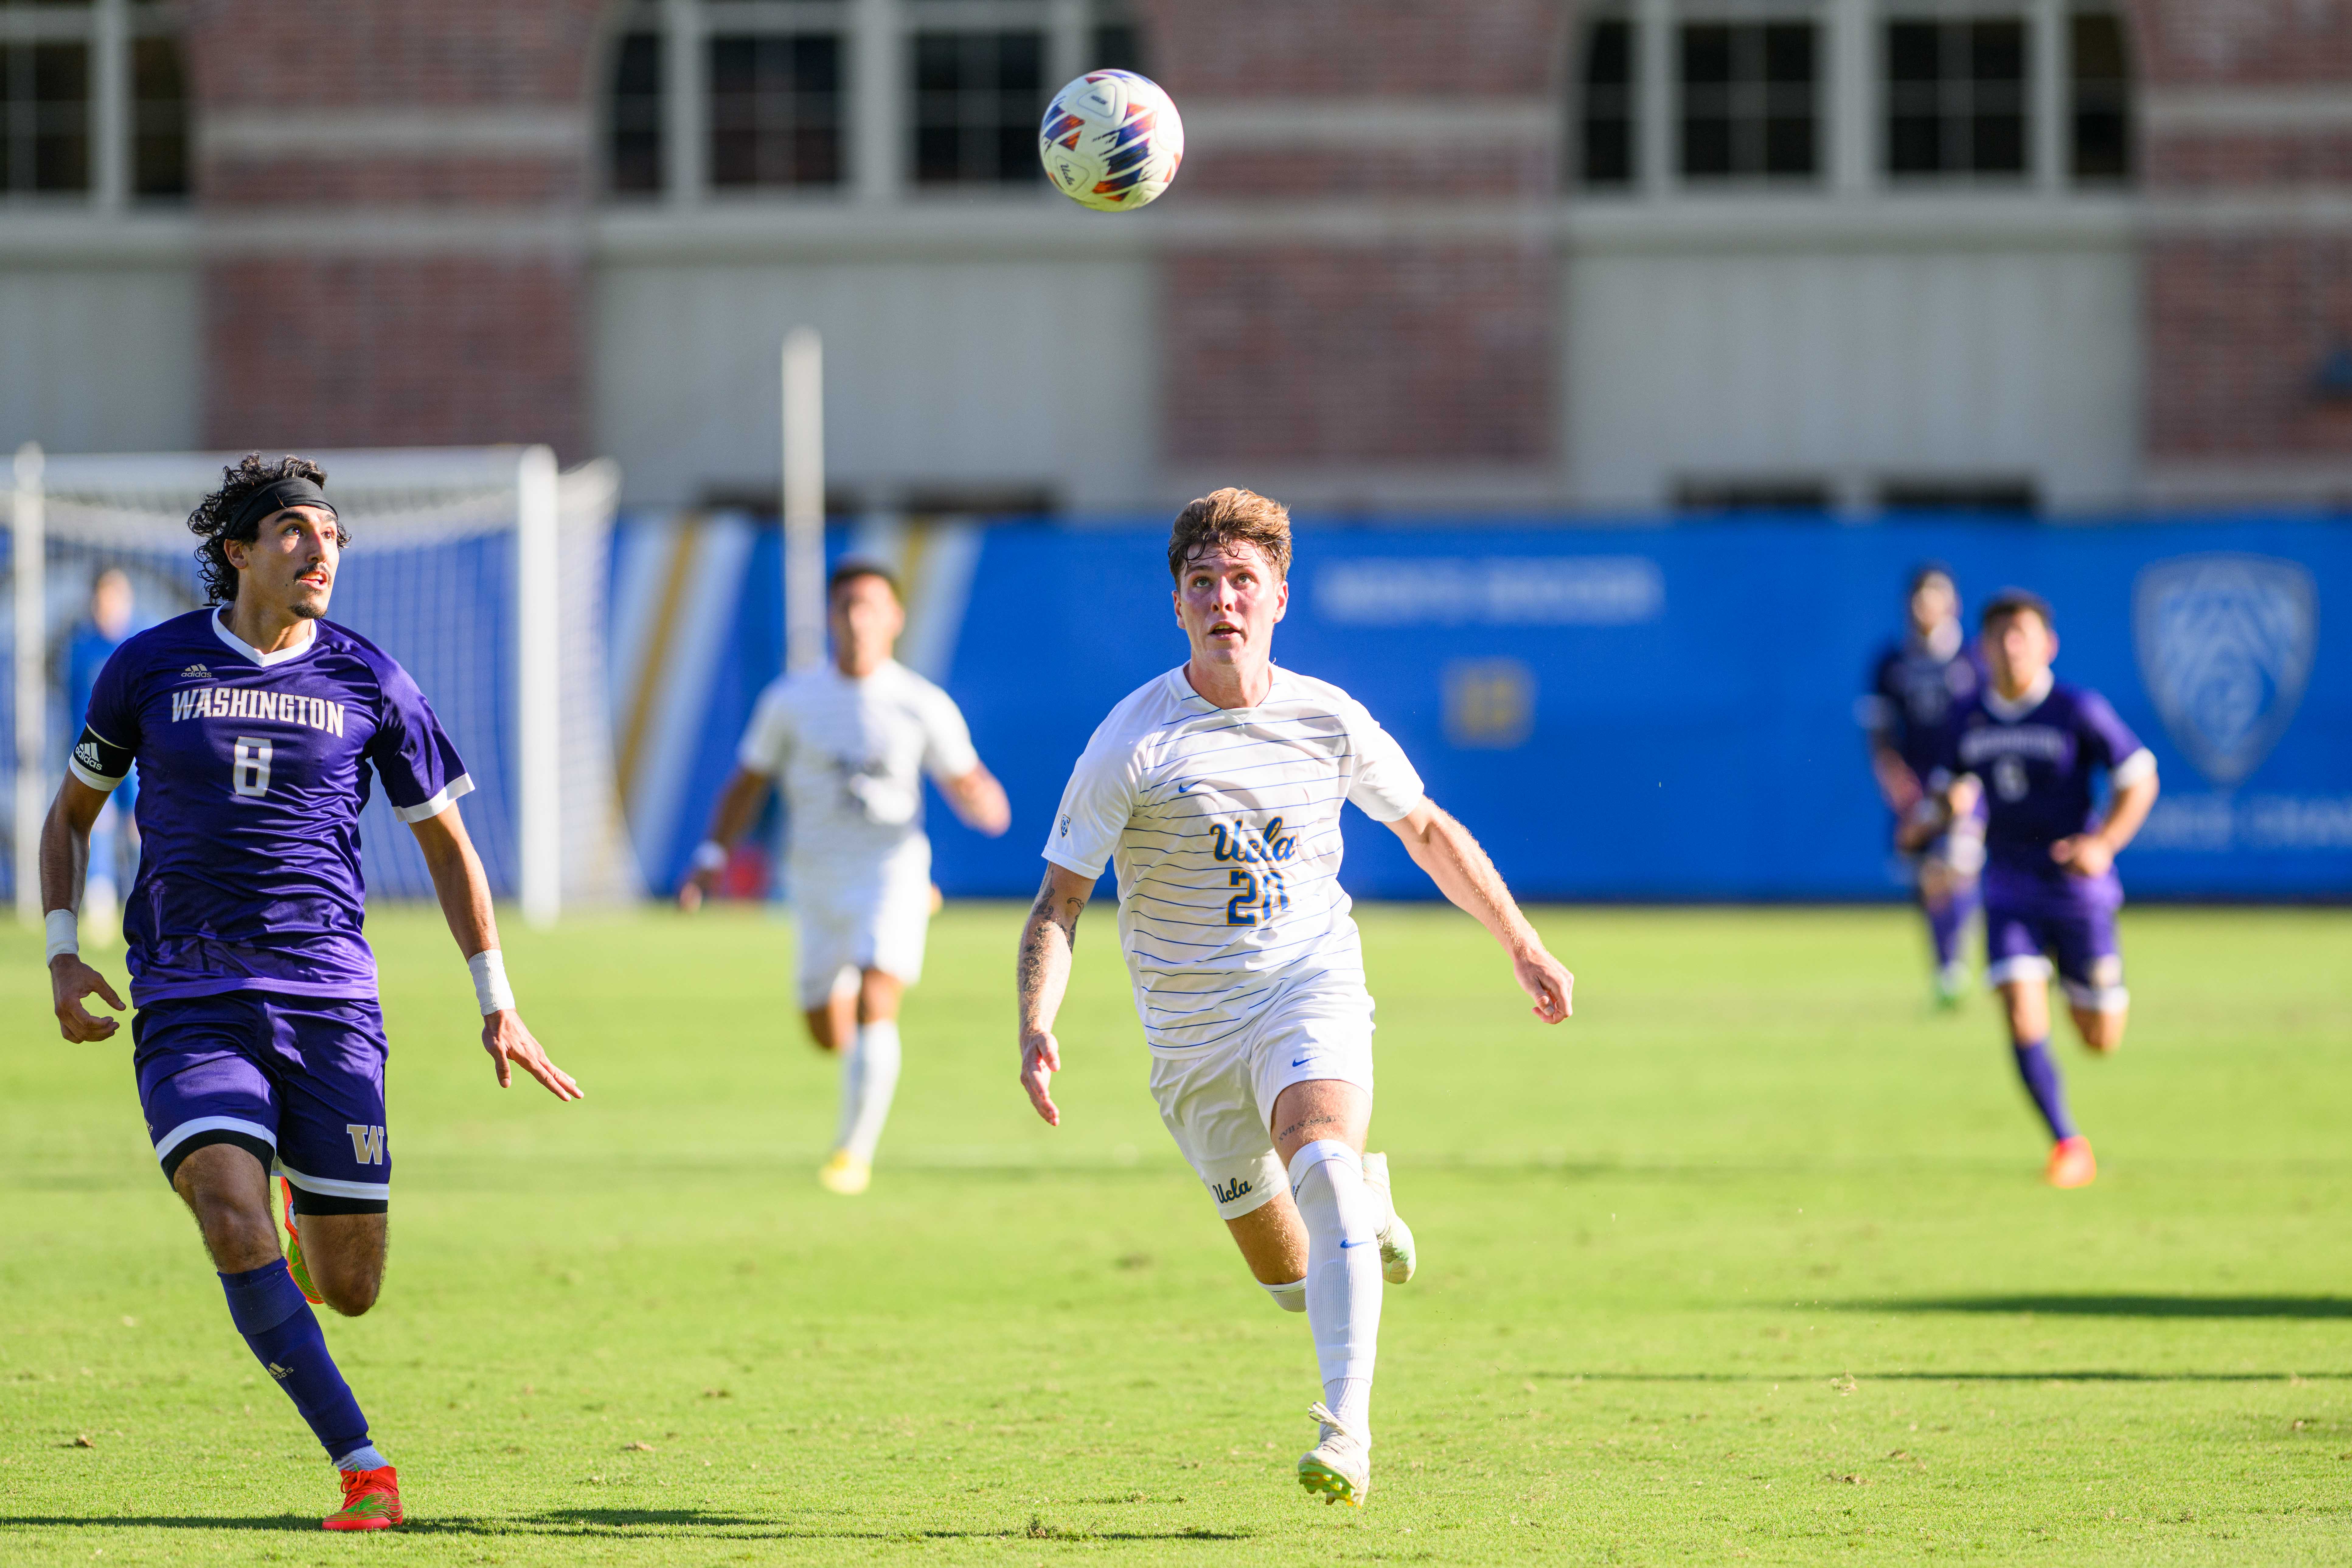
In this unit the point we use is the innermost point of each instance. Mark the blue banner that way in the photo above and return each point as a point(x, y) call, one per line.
point(1668, 713)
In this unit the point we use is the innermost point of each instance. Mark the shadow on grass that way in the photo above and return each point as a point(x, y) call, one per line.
point(608, 1523)
point(2062, 1375)
point(2118, 1306)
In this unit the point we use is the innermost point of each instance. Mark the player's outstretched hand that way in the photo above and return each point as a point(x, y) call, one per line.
point(70, 980)
point(1547, 981)
point(504, 1037)
point(2084, 854)
point(1041, 1058)
point(694, 889)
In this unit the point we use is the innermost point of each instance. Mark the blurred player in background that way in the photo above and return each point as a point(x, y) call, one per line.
point(259, 1045)
point(113, 838)
point(849, 742)
point(1913, 688)
point(1217, 788)
point(2032, 748)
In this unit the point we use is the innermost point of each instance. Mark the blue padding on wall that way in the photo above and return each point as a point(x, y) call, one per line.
point(1691, 732)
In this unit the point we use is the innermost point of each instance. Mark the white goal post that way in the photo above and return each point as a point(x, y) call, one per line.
point(481, 569)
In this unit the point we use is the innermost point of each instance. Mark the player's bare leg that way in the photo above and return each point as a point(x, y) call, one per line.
point(228, 1191)
point(2027, 1005)
point(870, 1078)
point(2102, 1029)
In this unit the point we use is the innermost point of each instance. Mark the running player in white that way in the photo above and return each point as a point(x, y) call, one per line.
point(849, 743)
point(1216, 788)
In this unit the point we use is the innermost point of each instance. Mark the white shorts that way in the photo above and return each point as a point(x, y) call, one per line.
point(877, 921)
point(1218, 1101)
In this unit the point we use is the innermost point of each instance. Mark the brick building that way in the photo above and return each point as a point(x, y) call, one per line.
point(2072, 255)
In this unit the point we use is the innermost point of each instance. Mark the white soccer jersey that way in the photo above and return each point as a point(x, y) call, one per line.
point(1225, 826)
point(849, 756)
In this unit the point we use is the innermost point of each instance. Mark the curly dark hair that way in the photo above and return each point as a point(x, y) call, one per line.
point(210, 520)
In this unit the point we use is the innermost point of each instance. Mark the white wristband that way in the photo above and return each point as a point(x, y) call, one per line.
point(711, 856)
point(488, 968)
point(64, 932)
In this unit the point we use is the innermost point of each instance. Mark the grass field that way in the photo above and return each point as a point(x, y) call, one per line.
point(1750, 1261)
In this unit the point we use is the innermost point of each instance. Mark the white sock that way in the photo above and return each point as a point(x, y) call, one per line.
point(363, 1457)
point(870, 1077)
point(1343, 1273)
point(1290, 1298)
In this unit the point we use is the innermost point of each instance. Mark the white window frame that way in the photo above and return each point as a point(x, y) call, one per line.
point(877, 126)
point(1853, 106)
point(109, 27)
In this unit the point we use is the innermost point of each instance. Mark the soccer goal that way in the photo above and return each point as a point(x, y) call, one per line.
point(483, 569)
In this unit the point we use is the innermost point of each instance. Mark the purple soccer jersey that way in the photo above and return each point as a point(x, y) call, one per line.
point(1914, 688)
point(254, 769)
point(2039, 759)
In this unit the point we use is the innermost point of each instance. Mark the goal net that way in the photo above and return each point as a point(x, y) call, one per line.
point(483, 571)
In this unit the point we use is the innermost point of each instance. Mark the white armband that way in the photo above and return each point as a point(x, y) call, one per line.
point(64, 932)
point(488, 968)
point(711, 856)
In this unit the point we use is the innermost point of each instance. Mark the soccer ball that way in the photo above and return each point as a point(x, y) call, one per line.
point(1111, 140)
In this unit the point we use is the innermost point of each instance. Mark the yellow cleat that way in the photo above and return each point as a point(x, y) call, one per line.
point(1339, 1469)
point(846, 1174)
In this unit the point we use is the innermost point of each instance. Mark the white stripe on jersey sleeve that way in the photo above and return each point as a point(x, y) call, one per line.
point(463, 784)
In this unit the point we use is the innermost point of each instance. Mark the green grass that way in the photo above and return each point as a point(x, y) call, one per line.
point(1749, 1260)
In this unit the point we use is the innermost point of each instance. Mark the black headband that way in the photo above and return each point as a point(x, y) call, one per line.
point(274, 498)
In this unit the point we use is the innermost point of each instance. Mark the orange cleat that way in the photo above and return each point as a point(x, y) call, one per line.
point(371, 1501)
point(2070, 1164)
point(294, 1264)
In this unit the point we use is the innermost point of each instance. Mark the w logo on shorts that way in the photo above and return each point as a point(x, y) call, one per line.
point(367, 1143)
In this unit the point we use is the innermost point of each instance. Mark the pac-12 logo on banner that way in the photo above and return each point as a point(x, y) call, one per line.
point(2226, 645)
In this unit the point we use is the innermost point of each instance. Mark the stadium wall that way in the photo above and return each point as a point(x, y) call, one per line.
point(1644, 713)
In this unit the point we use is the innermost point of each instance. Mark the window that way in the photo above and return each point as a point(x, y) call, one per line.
point(45, 107)
point(1750, 100)
point(1114, 42)
point(2102, 94)
point(1970, 495)
point(159, 119)
point(978, 97)
point(775, 110)
point(1606, 126)
point(54, 57)
point(1791, 493)
point(633, 126)
point(1956, 96)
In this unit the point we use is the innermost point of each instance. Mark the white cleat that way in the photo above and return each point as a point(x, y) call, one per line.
point(846, 1174)
point(1397, 1257)
point(1339, 1469)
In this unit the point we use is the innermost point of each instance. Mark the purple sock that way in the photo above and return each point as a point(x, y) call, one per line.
point(1944, 928)
point(2040, 1076)
point(277, 1324)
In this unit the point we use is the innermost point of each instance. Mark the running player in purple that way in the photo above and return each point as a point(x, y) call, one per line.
point(2033, 747)
point(1913, 688)
point(258, 730)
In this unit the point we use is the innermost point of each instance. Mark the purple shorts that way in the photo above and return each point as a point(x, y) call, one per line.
point(296, 1081)
point(2090, 960)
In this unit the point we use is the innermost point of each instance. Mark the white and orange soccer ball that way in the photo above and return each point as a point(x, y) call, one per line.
point(1111, 140)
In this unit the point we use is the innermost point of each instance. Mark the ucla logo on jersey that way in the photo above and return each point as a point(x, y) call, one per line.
point(2226, 644)
point(1232, 1192)
point(1269, 843)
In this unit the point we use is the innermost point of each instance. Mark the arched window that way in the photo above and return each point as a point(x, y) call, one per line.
point(93, 103)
